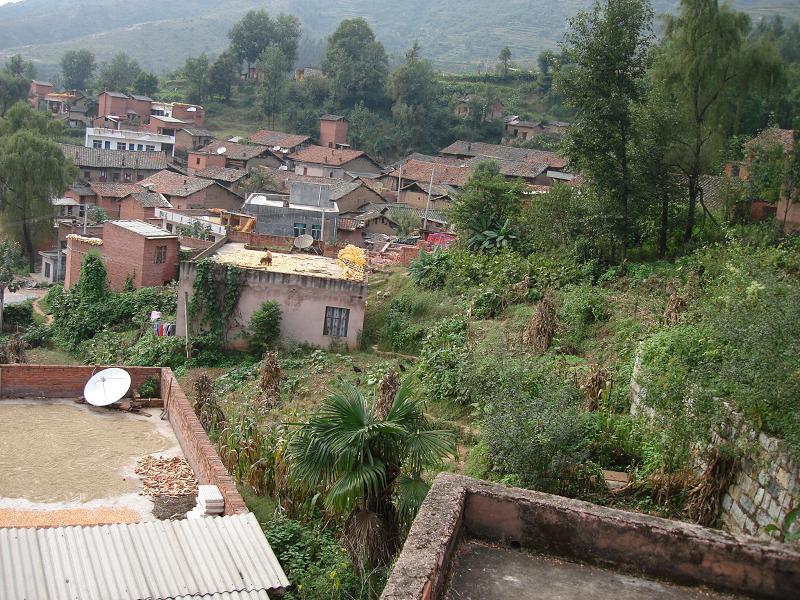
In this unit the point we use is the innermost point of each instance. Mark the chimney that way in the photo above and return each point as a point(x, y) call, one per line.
point(333, 131)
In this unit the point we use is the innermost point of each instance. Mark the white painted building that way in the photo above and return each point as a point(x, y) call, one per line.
point(141, 141)
point(171, 220)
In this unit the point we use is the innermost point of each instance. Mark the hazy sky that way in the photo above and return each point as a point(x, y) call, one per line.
point(7, 1)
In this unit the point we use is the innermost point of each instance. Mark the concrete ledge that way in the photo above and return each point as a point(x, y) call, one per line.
point(631, 542)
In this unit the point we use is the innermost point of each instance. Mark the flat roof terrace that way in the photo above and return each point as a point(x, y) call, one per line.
point(63, 463)
point(478, 540)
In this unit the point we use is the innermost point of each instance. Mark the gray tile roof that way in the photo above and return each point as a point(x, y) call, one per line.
point(209, 558)
point(99, 158)
point(151, 200)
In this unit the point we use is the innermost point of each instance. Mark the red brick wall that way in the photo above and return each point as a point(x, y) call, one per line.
point(131, 209)
point(57, 381)
point(217, 196)
point(196, 446)
point(76, 252)
point(110, 205)
point(125, 252)
point(332, 133)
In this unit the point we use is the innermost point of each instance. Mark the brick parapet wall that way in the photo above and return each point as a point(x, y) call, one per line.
point(57, 381)
point(196, 446)
point(646, 545)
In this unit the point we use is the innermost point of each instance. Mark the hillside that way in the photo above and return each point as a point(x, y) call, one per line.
point(456, 34)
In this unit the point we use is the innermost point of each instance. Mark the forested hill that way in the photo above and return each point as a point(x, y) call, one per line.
point(455, 34)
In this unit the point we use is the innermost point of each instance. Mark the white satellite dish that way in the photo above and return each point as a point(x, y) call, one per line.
point(303, 241)
point(222, 150)
point(107, 386)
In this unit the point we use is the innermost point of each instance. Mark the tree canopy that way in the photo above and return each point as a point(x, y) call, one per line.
point(119, 74)
point(77, 69)
point(257, 31)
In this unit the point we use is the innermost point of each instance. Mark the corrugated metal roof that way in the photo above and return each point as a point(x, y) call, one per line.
point(220, 558)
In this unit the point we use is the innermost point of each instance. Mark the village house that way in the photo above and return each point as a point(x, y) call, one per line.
point(515, 127)
point(176, 220)
point(278, 141)
point(304, 73)
point(191, 138)
point(38, 92)
point(141, 206)
point(233, 155)
point(113, 166)
point(322, 301)
point(491, 110)
point(71, 107)
point(107, 196)
point(333, 130)
point(308, 210)
point(422, 172)
point(124, 139)
point(334, 163)
point(188, 191)
point(133, 251)
point(231, 179)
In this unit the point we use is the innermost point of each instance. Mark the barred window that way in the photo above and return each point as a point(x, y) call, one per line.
point(316, 231)
point(161, 254)
point(336, 321)
point(299, 229)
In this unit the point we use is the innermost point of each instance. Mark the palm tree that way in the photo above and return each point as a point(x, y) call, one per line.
point(369, 466)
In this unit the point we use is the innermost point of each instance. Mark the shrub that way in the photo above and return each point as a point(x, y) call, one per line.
point(444, 362)
point(148, 388)
point(265, 327)
point(581, 308)
point(539, 436)
point(17, 316)
point(429, 270)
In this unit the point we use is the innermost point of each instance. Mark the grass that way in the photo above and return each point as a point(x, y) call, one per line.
point(48, 356)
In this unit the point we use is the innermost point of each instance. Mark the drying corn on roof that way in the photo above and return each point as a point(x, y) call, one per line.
point(350, 267)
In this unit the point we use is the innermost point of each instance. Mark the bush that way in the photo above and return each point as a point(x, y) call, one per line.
point(582, 307)
point(444, 362)
point(265, 327)
point(17, 316)
point(36, 335)
point(539, 436)
point(429, 270)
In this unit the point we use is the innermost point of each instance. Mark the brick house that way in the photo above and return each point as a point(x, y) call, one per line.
point(233, 155)
point(333, 131)
point(335, 163)
point(114, 166)
point(108, 196)
point(146, 254)
point(191, 138)
point(141, 206)
point(188, 191)
point(38, 91)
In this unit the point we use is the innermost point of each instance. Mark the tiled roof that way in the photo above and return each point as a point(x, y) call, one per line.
point(443, 174)
point(151, 200)
point(198, 132)
point(115, 190)
point(514, 168)
point(233, 150)
point(472, 149)
point(175, 184)
point(773, 137)
point(269, 138)
point(326, 156)
point(100, 158)
point(222, 174)
point(332, 118)
point(714, 187)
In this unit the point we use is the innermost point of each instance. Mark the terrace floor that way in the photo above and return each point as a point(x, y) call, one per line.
point(63, 463)
point(485, 572)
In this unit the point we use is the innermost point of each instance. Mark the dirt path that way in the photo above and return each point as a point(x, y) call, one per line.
point(48, 319)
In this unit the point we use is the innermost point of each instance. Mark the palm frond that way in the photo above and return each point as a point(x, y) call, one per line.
point(409, 493)
point(353, 487)
point(427, 448)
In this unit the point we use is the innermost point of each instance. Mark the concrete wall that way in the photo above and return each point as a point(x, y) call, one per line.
point(677, 552)
point(303, 300)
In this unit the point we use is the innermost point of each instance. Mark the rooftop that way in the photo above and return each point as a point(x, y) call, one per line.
point(100, 158)
point(151, 200)
point(301, 264)
point(114, 190)
point(233, 150)
point(265, 137)
point(472, 149)
point(170, 183)
point(443, 174)
point(478, 540)
point(222, 174)
point(773, 137)
point(144, 229)
point(326, 156)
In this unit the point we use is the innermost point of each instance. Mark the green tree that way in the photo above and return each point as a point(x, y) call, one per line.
point(119, 74)
point(265, 327)
point(706, 57)
point(33, 170)
point(12, 90)
point(487, 202)
point(273, 65)
point(197, 73)
point(369, 455)
point(607, 49)
point(791, 182)
point(357, 64)
point(407, 221)
point(145, 84)
point(414, 91)
point(19, 67)
point(256, 31)
point(9, 257)
point(224, 74)
point(77, 69)
point(505, 60)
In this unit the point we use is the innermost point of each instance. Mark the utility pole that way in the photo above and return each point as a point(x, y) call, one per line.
point(428, 203)
point(399, 182)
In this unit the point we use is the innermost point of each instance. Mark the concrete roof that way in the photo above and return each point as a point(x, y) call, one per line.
point(144, 229)
point(212, 557)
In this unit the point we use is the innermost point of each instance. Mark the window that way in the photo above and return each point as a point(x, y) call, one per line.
point(87, 175)
point(97, 144)
point(197, 160)
point(150, 148)
point(127, 176)
point(140, 147)
point(161, 254)
point(299, 229)
point(120, 145)
point(47, 270)
point(107, 145)
point(336, 321)
point(115, 177)
point(316, 231)
point(131, 146)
